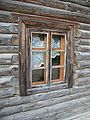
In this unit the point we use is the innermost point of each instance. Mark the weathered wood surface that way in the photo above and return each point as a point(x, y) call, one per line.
point(6, 92)
point(6, 70)
point(83, 48)
point(9, 39)
point(9, 81)
point(69, 6)
point(79, 2)
point(54, 3)
point(9, 49)
point(80, 41)
point(82, 73)
point(9, 59)
point(77, 8)
point(82, 81)
point(8, 28)
point(83, 55)
point(83, 64)
point(22, 59)
point(34, 108)
point(84, 26)
point(41, 104)
point(42, 96)
point(84, 34)
point(33, 9)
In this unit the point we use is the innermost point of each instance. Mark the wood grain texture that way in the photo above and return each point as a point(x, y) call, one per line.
point(9, 39)
point(9, 59)
point(25, 8)
point(8, 28)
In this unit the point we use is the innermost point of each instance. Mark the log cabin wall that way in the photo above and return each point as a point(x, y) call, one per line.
point(71, 10)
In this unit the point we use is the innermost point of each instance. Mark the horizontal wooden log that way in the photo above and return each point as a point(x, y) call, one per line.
point(7, 70)
point(84, 26)
point(82, 34)
point(53, 112)
point(47, 88)
point(9, 39)
point(8, 28)
point(84, 64)
point(83, 56)
point(80, 41)
point(79, 2)
point(54, 3)
point(25, 8)
point(9, 49)
point(9, 59)
point(41, 104)
point(10, 81)
point(82, 81)
point(82, 73)
point(83, 48)
point(78, 8)
point(6, 92)
point(6, 81)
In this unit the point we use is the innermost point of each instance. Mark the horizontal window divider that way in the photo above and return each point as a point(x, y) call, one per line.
point(58, 50)
point(38, 68)
point(41, 50)
point(58, 66)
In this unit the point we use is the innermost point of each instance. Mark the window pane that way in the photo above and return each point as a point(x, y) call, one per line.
point(56, 41)
point(38, 40)
point(38, 59)
point(37, 75)
point(55, 58)
point(55, 73)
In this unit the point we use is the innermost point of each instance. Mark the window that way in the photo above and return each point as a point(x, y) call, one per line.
point(47, 57)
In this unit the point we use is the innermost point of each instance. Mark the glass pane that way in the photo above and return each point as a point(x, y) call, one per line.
point(38, 59)
point(37, 75)
point(55, 73)
point(38, 40)
point(56, 41)
point(55, 58)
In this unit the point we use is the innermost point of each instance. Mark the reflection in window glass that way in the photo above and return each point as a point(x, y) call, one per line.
point(37, 59)
point(38, 40)
point(56, 41)
point(37, 75)
point(55, 73)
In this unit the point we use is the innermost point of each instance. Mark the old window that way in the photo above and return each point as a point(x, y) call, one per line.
point(45, 52)
point(47, 57)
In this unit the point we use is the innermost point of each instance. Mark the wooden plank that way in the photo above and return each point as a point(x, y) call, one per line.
point(6, 59)
point(62, 57)
point(82, 73)
point(9, 81)
point(84, 26)
point(69, 59)
point(6, 92)
point(84, 34)
point(78, 8)
point(9, 39)
point(33, 9)
point(54, 3)
point(8, 28)
point(8, 49)
point(22, 59)
point(82, 56)
point(83, 48)
point(79, 2)
point(6, 70)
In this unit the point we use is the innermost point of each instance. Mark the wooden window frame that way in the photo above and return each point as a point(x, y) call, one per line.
point(44, 52)
point(25, 25)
